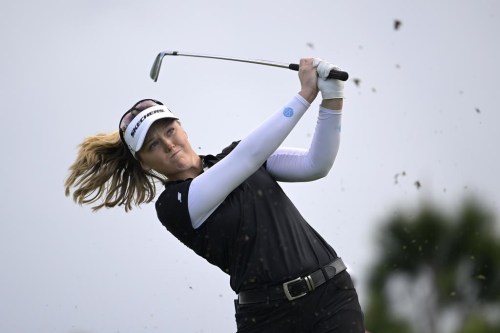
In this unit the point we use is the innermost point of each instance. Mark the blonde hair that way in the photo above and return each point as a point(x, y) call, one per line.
point(106, 171)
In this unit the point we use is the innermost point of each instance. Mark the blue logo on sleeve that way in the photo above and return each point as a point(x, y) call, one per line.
point(288, 112)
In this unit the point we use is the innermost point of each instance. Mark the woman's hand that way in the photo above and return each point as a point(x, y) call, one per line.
point(308, 79)
point(331, 90)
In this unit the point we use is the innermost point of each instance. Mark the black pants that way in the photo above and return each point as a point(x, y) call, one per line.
point(332, 308)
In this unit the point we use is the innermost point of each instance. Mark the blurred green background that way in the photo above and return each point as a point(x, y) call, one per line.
point(437, 271)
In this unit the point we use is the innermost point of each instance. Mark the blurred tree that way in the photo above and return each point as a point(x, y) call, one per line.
point(436, 273)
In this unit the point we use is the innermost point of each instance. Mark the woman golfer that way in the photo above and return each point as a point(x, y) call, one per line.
point(229, 208)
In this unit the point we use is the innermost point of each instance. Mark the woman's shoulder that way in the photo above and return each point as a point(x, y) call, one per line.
point(227, 150)
point(173, 190)
point(172, 202)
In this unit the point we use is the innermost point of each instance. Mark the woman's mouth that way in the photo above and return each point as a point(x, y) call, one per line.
point(175, 153)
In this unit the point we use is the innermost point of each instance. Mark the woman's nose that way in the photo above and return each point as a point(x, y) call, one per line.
point(168, 145)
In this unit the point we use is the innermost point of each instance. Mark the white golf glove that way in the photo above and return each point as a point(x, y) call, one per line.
point(330, 88)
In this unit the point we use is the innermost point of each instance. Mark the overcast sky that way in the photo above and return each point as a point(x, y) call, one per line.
point(426, 109)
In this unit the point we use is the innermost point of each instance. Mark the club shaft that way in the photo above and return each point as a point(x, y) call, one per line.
point(250, 61)
point(155, 70)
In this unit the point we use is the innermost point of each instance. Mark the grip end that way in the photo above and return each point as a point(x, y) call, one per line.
point(338, 75)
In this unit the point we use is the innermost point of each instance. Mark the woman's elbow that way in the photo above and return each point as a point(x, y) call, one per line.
point(321, 171)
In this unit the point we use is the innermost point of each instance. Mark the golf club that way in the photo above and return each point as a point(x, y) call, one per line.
point(155, 70)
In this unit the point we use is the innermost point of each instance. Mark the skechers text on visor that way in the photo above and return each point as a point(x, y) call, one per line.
point(135, 125)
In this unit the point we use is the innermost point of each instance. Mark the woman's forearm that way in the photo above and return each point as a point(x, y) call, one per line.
point(243, 161)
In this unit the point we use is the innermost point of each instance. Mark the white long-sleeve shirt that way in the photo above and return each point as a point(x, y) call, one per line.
point(263, 144)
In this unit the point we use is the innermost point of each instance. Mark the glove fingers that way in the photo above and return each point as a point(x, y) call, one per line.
point(329, 88)
point(324, 69)
point(316, 62)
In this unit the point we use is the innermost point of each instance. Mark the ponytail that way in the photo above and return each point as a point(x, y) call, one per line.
point(106, 172)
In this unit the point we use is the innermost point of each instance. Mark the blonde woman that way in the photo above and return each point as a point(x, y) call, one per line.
point(229, 208)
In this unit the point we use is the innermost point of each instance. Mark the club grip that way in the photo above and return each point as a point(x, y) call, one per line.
point(334, 74)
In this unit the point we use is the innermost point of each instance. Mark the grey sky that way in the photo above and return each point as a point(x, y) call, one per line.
point(426, 105)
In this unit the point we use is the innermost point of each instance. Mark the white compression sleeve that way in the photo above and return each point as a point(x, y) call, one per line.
point(293, 164)
point(242, 162)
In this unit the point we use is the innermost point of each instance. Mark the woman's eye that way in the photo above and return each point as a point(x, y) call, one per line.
point(153, 145)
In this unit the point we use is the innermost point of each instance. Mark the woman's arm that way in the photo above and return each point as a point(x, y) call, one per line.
point(251, 152)
point(242, 162)
point(294, 164)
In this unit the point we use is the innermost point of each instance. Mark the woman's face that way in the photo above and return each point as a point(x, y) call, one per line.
point(167, 150)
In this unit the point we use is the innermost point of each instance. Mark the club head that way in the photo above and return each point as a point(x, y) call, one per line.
point(155, 70)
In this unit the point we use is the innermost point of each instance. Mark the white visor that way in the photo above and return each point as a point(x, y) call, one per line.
point(138, 127)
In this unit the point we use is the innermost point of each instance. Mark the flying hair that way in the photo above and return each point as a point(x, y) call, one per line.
point(106, 174)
